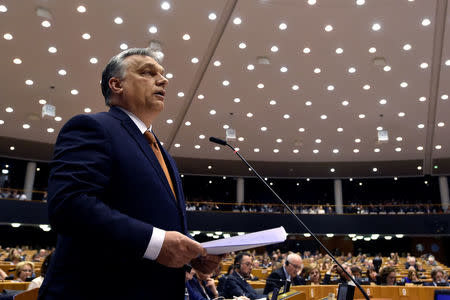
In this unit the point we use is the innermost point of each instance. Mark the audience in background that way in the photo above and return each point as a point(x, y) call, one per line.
point(387, 276)
point(236, 284)
point(293, 266)
point(439, 279)
point(24, 270)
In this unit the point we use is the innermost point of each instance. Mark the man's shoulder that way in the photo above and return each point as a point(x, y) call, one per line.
point(277, 273)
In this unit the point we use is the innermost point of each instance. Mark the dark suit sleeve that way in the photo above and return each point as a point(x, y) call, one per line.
point(81, 171)
point(232, 288)
point(272, 282)
point(327, 279)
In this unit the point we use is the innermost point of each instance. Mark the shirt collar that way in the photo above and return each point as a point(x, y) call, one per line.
point(142, 127)
point(288, 277)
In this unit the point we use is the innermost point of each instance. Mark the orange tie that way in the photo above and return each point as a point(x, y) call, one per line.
point(154, 145)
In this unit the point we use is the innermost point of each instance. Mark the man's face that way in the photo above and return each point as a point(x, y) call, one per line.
point(246, 266)
point(294, 267)
point(439, 276)
point(143, 86)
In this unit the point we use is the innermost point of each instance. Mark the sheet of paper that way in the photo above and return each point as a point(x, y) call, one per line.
point(246, 241)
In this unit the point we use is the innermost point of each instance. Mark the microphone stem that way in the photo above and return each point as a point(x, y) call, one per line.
point(301, 222)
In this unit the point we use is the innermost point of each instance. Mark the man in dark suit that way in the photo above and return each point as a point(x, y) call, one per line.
point(437, 274)
point(289, 272)
point(114, 189)
point(236, 284)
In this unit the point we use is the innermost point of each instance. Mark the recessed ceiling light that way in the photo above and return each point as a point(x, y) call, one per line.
point(86, 36)
point(180, 94)
point(186, 37)
point(345, 103)
point(407, 47)
point(274, 49)
point(165, 5)
point(194, 60)
point(62, 72)
point(169, 75)
point(318, 141)
point(81, 9)
point(263, 128)
point(3, 8)
point(404, 84)
point(399, 139)
point(87, 110)
point(438, 147)
point(52, 49)
point(376, 150)
point(372, 50)
point(169, 121)
point(295, 87)
point(357, 140)
point(286, 116)
point(236, 100)
point(401, 114)
point(212, 112)
point(250, 67)
point(295, 151)
point(315, 151)
point(29, 82)
point(306, 50)
point(17, 61)
point(317, 70)
point(421, 126)
point(118, 20)
point(383, 101)
point(153, 29)
point(46, 23)
point(197, 146)
point(323, 117)
point(93, 60)
point(276, 150)
point(422, 99)
point(58, 119)
point(441, 124)
point(260, 85)
point(187, 123)
point(351, 70)
point(249, 115)
point(366, 87)
point(212, 16)
point(12, 148)
point(335, 151)
point(340, 129)
point(50, 130)
point(301, 129)
point(74, 92)
point(420, 148)
point(426, 22)
point(283, 69)
point(361, 116)
point(339, 50)
point(360, 2)
point(123, 46)
point(201, 97)
point(376, 27)
point(330, 88)
point(424, 65)
point(282, 26)
point(355, 150)
point(375, 169)
point(217, 63)
point(201, 136)
point(308, 103)
point(8, 36)
point(444, 97)
point(42, 101)
point(379, 128)
point(311, 2)
point(398, 149)
point(242, 45)
point(419, 168)
point(241, 139)
point(447, 62)
point(328, 28)
point(256, 150)
point(225, 83)
point(237, 21)
point(26, 126)
point(279, 140)
point(332, 170)
point(387, 68)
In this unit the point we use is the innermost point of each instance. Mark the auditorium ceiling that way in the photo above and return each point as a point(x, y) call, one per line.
point(307, 85)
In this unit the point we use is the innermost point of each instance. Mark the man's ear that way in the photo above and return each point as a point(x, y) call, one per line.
point(115, 85)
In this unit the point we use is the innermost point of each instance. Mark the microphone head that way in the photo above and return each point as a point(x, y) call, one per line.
point(217, 141)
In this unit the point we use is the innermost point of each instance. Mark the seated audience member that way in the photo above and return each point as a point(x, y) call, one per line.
point(377, 262)
point(437, 275)
point(343, 278)
point(37, 282)
point(373, 277)
point(201, 287)
point(12, 254)
point(431, 261)
point(387, 276)
point(222, 279)
point(357, 274)
point(410, 261)
point(3, 275)
point(289, 272)
point(419, 267)
point(314, 276)
point(412, 276)
point(236, 284)
point(24, 270)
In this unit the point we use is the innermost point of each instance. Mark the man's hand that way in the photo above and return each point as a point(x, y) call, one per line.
point(178, 250)
point(207, 263)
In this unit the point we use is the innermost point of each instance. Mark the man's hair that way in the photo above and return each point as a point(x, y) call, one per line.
point(116, 68)
point(436, 270)
point(239, 257)
point(290, 257)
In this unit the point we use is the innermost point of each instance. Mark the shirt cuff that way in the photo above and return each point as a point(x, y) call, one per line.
point(155, 244)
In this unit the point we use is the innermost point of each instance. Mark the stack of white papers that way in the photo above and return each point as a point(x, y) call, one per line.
point(246, 241)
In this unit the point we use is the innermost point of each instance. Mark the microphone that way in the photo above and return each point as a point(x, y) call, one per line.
point(224, 143)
